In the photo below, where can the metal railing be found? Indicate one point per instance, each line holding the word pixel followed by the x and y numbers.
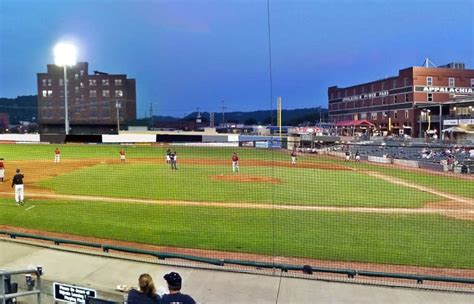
pixel 350 273
pixel 5 284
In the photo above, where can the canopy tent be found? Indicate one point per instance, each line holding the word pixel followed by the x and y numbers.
pixel 356 123
pixel 457 130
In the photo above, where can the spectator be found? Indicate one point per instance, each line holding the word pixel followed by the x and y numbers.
pixel 175 296
pixel 146 294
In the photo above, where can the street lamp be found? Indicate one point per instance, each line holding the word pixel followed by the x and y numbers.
pixel 65 55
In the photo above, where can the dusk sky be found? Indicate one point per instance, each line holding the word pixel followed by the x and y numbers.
pixel 186 54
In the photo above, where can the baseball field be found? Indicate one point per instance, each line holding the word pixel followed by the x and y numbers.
pixel 322 209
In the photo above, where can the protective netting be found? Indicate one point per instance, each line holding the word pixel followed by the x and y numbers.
pixel 389 207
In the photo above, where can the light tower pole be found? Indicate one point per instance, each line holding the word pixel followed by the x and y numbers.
pixel 118 105
pixel 65 55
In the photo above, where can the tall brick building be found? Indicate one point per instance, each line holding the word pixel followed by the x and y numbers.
pixel 413 100
pixel 91 100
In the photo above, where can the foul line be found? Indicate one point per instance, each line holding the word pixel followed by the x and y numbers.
pixel 30 208
pixel 245 205
pixel 400 182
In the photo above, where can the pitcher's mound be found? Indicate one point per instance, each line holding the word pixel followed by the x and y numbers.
pixel 245 178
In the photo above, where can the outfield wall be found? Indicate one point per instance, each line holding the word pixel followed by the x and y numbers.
pixel 20 137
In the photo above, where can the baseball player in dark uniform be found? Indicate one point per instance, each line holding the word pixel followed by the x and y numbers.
pixel 17 182
pixel 173 160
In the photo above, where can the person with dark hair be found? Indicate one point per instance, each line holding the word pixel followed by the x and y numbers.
pixel 174 286
pixel 146 294
pixel 17 182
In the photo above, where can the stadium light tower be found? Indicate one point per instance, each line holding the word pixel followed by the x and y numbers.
pixel 65 55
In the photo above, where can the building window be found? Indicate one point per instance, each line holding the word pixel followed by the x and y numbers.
pixel 383 85
pixel 93 93
pixel 395 114
pixel 105 93
pixel 373 115
pixel 472 83
pixel 452 82
pixel 105 82
pixel 76 89
pixel 118 82
pixel 92 82
pixel 76 76
pixel 50 82
pixel 61 82
pixel 395 99
pixel 406 98
pixel 406 114
pixel 429 81
pixel 383 100
pixel 44 82
pixel 82 84
pixel 47 93
pixel 430 97
pixel 118 93
pixel 405 81
pixel 394 83
pixel 332 95
pixel 82 72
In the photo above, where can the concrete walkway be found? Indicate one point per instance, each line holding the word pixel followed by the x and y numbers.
pixel 206 286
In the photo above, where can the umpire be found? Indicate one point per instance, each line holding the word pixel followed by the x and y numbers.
pixel 17 182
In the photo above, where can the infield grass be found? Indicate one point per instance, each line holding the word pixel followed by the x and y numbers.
pixel 426 240
pixel 296 186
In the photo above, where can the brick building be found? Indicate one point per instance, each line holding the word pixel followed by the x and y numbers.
pixel 91 100
pixel 410 103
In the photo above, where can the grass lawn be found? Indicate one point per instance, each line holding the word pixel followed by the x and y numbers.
pixel 447 184
pixel 194 183
pixel 407 240
pixel 74 151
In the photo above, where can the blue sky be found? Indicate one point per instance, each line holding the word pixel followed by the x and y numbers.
pixel 186 54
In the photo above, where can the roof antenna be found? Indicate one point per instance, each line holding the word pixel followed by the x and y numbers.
pixel 428 62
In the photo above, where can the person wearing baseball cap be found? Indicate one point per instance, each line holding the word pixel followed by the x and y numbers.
pixel 175 296
pixel 17 182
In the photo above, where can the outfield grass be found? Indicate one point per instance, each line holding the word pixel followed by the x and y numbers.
pixel 107 151
pixel 449 184
pixel 194 183
pixel 393 239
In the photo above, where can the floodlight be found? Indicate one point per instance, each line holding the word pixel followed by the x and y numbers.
pixel 65 54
